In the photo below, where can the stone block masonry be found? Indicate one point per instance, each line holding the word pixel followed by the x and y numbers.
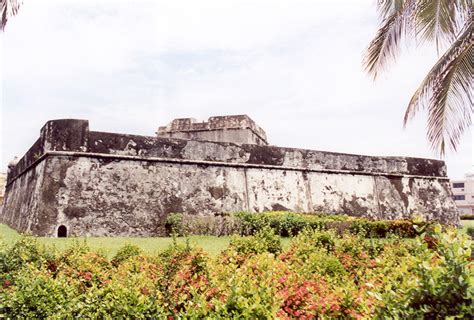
pixel 238 129
pixel 106 184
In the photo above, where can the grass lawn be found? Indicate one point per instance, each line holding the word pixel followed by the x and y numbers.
pixel 110 245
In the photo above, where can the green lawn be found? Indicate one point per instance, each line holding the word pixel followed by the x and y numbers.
pixel 110 245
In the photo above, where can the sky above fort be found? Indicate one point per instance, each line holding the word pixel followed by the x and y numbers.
pixel 293 66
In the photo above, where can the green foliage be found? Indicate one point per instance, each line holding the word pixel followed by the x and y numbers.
pixel 217 225
pixel 386 228
pixel 287 224
pixel 264 240
pixel 250 290
pixel 290 224
pixel 126 252
pixel 322 274
pixel 444 286
pixel 174 224
pixel 24 251
pixel 470 231
pixel 310 241
pixel 35 294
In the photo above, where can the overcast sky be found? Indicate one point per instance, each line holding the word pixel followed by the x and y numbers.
pixel 293 66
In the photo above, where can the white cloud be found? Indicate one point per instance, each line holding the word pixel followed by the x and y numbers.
pixel 294 66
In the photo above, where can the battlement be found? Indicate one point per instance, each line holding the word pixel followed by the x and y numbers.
pixel 239 129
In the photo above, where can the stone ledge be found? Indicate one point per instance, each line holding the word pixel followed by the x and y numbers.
pixel 215 163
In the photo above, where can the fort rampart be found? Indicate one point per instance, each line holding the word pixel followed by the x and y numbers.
pixel 99 183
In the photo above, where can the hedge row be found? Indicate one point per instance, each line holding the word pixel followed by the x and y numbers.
pixel 322 275
pixel 289 224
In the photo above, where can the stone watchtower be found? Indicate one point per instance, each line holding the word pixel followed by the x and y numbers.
pixel 239 129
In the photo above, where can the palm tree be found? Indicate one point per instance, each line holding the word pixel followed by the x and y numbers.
pixel 446 93
pixel 8 8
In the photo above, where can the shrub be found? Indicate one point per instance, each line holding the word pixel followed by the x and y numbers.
pixel 385 228
pixel 321 275
pixel 264 240
pixel 288 224
pixel 252 222
pixel 470 231
pixel 174 224
pixel 217 225
pixel 443 286
pixel 116 301
pixel 326 265
pixel 125 253
pixel 249 291
pixel 35 294
pixel 24 251
pixel 183 278
pixel 311 241
pixel 467 217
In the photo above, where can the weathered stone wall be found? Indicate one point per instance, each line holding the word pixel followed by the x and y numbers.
pixel 98 183
pixel 237 129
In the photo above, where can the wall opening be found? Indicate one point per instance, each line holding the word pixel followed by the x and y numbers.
pixel 62 232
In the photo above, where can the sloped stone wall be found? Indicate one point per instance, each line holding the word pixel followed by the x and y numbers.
pixel 110 184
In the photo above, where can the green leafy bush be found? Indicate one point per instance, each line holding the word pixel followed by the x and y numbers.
pixel 126 252
pixel 264 240
pixel 23 252
pixel 444 280
pixel 470 231
pixel 174 224
pixel 322 274
pixel 288 224
pixel 35 294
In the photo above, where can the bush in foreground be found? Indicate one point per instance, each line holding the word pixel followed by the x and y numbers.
pixel 322 274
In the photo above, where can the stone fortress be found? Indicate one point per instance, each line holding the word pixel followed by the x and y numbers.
pixel 74 181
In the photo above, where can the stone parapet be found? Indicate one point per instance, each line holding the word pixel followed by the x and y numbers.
pixel 74 135
pixel 55 135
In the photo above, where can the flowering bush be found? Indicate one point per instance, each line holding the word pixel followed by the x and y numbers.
pixel 321 274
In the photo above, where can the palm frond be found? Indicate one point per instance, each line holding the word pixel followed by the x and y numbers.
pixel 447 93
pixel 463 8
pixel 385 45
pixel 436 21
pixel 8 8
pixel 386 8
